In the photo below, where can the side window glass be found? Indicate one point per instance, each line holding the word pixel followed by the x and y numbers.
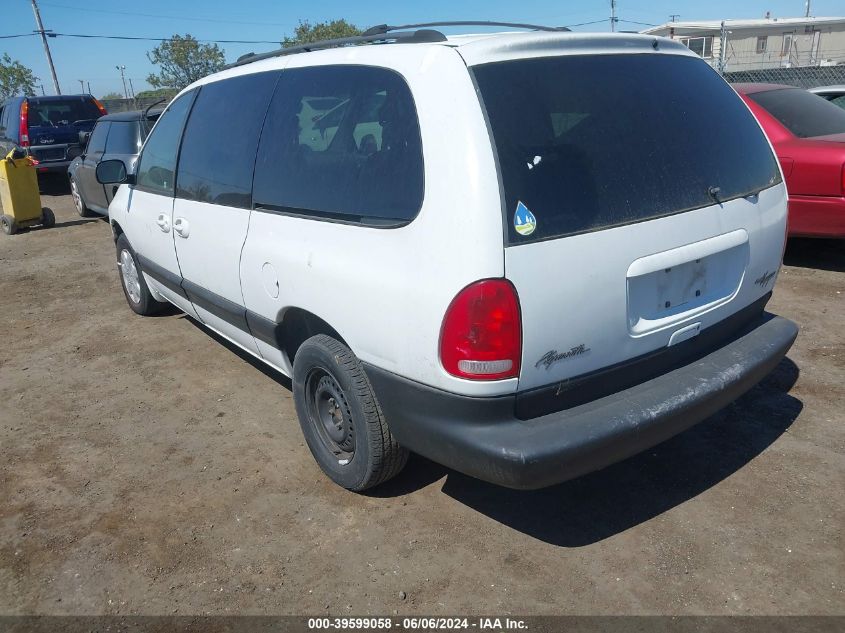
pixel 341 142
pixel 157 164
pixel 218 150
pixel 97 142
pixel 123 138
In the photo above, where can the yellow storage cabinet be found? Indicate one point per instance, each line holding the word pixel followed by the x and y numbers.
pixel 19 194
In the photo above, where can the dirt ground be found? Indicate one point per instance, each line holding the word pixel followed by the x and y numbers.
pixel 145 468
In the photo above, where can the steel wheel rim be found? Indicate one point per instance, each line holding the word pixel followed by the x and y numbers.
pixel 74 193
pixel 129 273
pixel 330 415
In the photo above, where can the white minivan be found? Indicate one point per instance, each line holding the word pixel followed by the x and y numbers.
pixel 523 255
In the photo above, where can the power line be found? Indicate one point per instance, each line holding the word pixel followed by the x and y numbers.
pixel 162 39
pixel 131 37
pixel 602 21
pixel 165 16
pixel 633 22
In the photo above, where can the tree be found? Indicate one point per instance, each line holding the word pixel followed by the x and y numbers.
pixel 307 32
pixel 183 60
pixel 15 78
pixel 113 95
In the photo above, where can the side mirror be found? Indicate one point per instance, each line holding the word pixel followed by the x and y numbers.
pixel 83 139
pixel 113 172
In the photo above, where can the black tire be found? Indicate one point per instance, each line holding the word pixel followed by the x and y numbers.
pixel 145 305
pixel 78 202
pixel 48 218
pixel 8 224
pixel 359 452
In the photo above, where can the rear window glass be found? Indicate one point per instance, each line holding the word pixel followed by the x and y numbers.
pixel 802 113
pixel 56 112
pixel 123 138
pixel 594 141
pixel 341 142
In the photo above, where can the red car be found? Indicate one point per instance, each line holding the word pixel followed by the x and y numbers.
pixel 808 134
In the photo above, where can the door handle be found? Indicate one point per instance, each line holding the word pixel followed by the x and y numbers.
pixel 163 222
pixel 181 226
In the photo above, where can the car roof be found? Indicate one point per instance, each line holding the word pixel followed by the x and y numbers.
pixel 752 88
pixel 131 115
pixel 58 97
pixel 477 48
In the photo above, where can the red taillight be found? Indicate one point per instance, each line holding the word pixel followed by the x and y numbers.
pixel 24 128
pixel 481 337
pixel 843 180
pixel 100 106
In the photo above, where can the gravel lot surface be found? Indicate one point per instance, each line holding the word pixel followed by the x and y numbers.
pixel 145 468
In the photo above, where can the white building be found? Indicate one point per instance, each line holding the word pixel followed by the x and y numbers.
pixel 737 45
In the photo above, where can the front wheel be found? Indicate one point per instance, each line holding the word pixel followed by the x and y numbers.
pixel 138 295
pixel 340 417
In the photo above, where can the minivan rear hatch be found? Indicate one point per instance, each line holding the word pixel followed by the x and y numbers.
pixel 641 202
pixel 57 121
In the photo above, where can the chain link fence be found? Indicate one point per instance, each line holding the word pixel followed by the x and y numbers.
pixel 125 105
pixel 803 77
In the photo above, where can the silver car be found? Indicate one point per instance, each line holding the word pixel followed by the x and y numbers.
pixel 115 136
pixel 835 94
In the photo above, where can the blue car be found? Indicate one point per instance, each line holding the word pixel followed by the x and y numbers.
pixel 48 128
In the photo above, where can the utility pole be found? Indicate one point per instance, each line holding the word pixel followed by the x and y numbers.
pixel 121 69
pixel 81 85
pixel 612 15
pixel 46 46
pixel 131 89
pixel 673 16
pixel 807 9
pixel 89 88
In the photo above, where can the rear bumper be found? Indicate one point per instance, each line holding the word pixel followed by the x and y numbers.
pixel 816 216
pixel 53 166
pixel 482 437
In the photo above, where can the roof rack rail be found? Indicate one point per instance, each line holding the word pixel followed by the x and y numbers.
pixel 384 28
pixel 151 106
pixel 409 37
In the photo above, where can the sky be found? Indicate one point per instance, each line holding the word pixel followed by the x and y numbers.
pixel 94 61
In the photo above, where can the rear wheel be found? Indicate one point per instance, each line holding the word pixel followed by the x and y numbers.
pixel 341 418
pixel 78 202
pixel 134 285
pixel 8 224
pixel 48 218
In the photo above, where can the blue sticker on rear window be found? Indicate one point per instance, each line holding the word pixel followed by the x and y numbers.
pixel 524 221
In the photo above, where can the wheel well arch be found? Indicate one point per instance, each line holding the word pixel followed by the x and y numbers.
pixel 297 326
pixel 116 229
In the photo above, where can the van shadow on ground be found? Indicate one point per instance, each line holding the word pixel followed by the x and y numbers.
pixel 597 506
pixel 594 507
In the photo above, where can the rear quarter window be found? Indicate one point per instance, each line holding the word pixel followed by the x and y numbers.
pixel 123 138
pixel 342 143
pixel 587 142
